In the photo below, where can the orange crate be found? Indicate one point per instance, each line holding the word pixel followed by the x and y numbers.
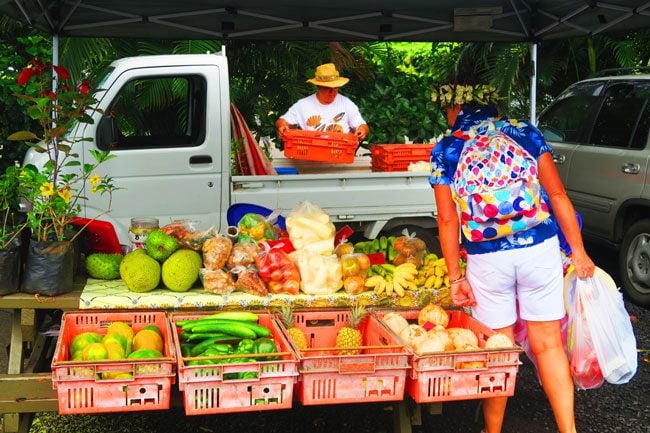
pixel 79 386
pixel 207 389
pixel 397 157
pixel 320 146
pixel 377 374
pixel 439 377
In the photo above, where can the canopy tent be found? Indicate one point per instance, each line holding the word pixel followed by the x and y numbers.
pixel 350 20
pixel 335 20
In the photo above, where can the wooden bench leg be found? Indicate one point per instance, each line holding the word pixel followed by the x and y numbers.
pixel 14 422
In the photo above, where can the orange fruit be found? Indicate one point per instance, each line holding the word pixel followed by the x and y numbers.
pixel 94 351
pixel 80 341
pixel 147 339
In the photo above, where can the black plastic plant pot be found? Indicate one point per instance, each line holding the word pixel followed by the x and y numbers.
pixel 49 269
pixel 10 267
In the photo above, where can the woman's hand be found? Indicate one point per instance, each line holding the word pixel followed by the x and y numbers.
pixel 462 294
pixel 583 264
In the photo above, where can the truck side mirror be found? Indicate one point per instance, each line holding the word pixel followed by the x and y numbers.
pixel 107 134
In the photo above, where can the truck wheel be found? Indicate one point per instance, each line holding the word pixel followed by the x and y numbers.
pixel 429 236
pixel 634 263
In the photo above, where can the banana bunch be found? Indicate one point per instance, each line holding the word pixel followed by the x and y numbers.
pixel 389 279
pixel 433 272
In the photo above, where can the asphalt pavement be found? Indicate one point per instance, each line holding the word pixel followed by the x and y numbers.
pixel 611 408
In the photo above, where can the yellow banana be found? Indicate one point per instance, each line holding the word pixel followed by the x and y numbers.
pixel 397 287
pixel 446 281
pixel 389 288
pixel 438 283
pixel 412 286
pixel 439 272
pixel 428 284
pixel 380 287
pixel 372 281
pixel 440 261
pixel 400 280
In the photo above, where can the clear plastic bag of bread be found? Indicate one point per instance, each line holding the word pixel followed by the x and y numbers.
pixel 409 249
pixel 217 281
pixel 249 281
pixel 187 233
pixel 243 253
pixel 216 251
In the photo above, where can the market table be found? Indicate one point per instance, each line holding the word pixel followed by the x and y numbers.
pixel 24 390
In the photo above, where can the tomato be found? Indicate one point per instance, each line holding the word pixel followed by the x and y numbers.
pixel 291 287
pixel 291 273
pixel 276 275
pixel 274 287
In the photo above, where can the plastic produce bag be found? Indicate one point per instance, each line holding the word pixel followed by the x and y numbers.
pixel 309 227
pixel 584 364
pixel 217 281
pixel 320 275
pixel 278 271
pixel 257 227
pixel 243 253
pixel 188 235
pixel 216 251
pixel 249 281
pixel 610 328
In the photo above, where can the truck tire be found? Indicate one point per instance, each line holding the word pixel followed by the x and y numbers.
pixel 634 263
pixel 429 236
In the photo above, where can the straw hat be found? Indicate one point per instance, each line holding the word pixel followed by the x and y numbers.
pixel 570 285
pixel 327 76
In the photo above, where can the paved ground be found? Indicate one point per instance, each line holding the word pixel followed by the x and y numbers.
pixel 622 408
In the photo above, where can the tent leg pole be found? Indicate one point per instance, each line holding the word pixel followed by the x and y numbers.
pixel 533 83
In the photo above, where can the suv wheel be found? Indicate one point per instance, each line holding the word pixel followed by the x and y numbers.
pixel 634 263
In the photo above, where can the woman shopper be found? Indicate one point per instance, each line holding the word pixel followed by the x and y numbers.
pixel 486 177
pixel 325 110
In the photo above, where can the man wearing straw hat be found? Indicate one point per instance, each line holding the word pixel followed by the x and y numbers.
pixel 325 110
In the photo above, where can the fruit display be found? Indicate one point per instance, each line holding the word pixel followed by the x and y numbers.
pixel 119 342
pixel 389 278
pixel 160 245
pixel 349 338
pixel 103 266
pixel 255 226
pixel 296 335
pixel 278 271
pixel 140 272
pixel 181 270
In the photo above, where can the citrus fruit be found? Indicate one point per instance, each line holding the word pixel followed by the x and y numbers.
pixel 145 353
pixel 94 351
pixel 153 328
pixel 82 340
pixel 121 328
pixel 147 339
pixel 117 339
pixel 115 350
pixel 114 375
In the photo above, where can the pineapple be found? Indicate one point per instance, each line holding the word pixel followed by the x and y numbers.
pixel 349 335
pixel 297 336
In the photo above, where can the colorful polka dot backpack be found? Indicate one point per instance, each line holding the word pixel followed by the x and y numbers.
pixel 496 187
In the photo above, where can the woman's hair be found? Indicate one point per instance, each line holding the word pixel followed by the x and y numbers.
pixel 473 113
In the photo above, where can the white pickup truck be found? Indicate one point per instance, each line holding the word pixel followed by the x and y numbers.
pixel 174 158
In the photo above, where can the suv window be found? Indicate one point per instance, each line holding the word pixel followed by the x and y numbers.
pixel 565 120
pixel 155 112
pixel 623 118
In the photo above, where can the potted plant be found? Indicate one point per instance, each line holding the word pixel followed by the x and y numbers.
pixel 11 225
pixel 453 96
pixel 54 192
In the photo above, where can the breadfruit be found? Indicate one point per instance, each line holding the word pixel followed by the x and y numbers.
pixel 181 270
pixel 140 272
pixel 103 266
pixel 160 245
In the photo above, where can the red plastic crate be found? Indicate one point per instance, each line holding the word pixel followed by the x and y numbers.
pixel 78 384
pixel 377 374
pixel 205 391
pixel 440 377
pixel 320 146
pixel 397 157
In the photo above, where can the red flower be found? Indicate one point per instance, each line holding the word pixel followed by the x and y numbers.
pixel 84 87
pixel 65 87
pixel 25 76
pixel 61 72
pixel 48 93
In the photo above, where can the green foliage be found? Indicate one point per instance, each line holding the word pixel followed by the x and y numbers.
pixel 10 224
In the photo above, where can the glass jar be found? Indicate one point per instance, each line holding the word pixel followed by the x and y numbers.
pixel 139 230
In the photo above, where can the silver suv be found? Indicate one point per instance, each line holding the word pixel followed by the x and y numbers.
pixel 598 129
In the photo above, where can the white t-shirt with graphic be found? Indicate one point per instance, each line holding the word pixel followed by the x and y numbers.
pixel 342 115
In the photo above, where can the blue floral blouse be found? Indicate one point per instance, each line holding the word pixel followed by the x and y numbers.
pixel 444 159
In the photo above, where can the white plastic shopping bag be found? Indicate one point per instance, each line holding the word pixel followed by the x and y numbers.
pixel 610 329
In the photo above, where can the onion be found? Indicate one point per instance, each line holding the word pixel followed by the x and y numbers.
pixel 498 341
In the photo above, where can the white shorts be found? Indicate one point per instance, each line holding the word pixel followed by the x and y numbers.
pixel 532 275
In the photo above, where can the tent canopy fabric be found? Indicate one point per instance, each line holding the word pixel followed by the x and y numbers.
pixel 333 20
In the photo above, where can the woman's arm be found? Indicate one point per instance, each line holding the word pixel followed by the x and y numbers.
pixel 448 230
pixel 565 215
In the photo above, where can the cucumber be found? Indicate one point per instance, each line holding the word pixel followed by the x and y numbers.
pixel 227 327
pixel 241 316
pixel 195 337
pixel 260 331
pixel 203 346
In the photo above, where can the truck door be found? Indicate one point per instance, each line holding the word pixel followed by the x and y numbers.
pixel 612 167
pixel 163 125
